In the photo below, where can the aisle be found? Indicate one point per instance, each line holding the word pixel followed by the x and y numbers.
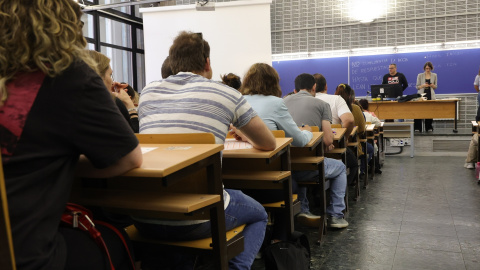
pixel 421 213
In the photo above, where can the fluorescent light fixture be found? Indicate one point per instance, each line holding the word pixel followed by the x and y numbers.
pixel 366 11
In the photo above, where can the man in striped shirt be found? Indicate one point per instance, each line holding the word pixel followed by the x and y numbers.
pixel 190 102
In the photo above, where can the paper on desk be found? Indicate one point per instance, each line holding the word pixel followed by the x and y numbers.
pixel 147 149
pixel 231 144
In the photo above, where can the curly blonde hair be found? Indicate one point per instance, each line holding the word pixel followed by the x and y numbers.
pixel 39 35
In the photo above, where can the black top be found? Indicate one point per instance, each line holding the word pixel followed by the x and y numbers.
pixel 427 81
pixel 398 78
pixel 72 114
pixel 133 122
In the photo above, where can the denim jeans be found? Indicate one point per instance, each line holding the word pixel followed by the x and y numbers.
pixel 242 209
pixel 370 155
pixel 334 171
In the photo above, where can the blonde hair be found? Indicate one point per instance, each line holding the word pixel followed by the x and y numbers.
pixel 101 63
pixel 39 35
pixel 261 79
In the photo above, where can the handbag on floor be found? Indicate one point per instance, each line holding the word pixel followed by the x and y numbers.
pixel 288 255
pixel 79 217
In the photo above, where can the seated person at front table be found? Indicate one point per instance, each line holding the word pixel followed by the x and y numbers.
pixel 232 80
pixel 369 116
pixel 306 109
pixel 261 89
pixel 122 99
pixel 53 109
pixel 190 102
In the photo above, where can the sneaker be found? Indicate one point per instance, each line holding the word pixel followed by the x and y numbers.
pixel 309 219
pixel 469 166
pixel 338 223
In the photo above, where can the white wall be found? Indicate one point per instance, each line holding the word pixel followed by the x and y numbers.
pixel 238 33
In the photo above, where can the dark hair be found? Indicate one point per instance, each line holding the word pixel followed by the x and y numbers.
pixel 364 103
pixel 261 79
pixel 428 64
pixel 231 80
pixel 304 81
pixel 393 64
pixel 345 91
pixel 188 53
pixel 166 69
pixel 320 81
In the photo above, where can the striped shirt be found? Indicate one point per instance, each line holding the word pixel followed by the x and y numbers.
pixel 190 103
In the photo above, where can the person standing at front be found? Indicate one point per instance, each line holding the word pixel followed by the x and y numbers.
pixel 426 84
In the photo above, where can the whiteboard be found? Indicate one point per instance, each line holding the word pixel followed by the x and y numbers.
pixel 238 34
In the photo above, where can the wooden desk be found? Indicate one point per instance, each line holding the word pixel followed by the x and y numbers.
pixel 169 169
pixel 427 109
pixel 239 161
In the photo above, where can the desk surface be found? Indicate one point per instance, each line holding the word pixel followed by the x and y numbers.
pixel 164 159
pixel 317 136
pixel 255 153
pixel 440 108
pixel 370 127
pixel 338 133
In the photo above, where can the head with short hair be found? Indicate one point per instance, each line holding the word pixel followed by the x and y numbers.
pixel 39 35
pixel 261 79
pixel 189 53
pixel 321 82
pixel 345 91
pixel 428 64
pixel 304 81
pixel 231 80
pixel 392 69
pixel 364 103
pixel 166 69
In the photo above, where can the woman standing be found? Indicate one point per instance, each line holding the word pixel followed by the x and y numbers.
pixel 426 83
pixel 476 84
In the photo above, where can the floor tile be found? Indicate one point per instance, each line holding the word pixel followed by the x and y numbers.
pixel 431 242
pixel 413 258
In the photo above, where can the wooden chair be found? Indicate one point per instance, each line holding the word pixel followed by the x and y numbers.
pixel 7 257
pixel 194 193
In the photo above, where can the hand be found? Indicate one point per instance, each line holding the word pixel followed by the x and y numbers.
pixel 329 148
pixel 116 86
pixel 125 98
pixel 237 134
pixel 306 127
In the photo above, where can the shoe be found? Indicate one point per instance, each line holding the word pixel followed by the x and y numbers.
pixel 361 176
pixel 430 130
pixel 469 166
pixel 309 219
pixel 338 223
pixel 378 171
pixel 258 256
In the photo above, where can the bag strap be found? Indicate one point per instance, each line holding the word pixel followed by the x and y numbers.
pixel 122 238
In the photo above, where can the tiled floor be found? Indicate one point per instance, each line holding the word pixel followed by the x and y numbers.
pixel 421 213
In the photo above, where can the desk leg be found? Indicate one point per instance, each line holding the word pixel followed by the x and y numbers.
pixel 287 194
pixel 455 120
pixel 217 214
pixel 412 141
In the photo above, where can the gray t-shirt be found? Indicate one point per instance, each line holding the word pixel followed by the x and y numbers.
pixel 308 110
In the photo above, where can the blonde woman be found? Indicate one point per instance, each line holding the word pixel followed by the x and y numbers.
pixel 55 118
pixel 426 84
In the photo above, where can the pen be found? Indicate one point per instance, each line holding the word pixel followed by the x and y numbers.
pixel 303 125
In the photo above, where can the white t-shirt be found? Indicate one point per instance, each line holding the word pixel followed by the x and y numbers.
pixel 337 105
pixel 477 80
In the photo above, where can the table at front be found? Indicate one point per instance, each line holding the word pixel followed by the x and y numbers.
pixel 426 109
pixel 166 168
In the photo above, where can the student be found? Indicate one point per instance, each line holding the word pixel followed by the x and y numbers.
pixel 232 80
pixel 56 120
pixel 261 88
pixel 119 92
pixel 190 102
pixel 166 70
pixel 305 109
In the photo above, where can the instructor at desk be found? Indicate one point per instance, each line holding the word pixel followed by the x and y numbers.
pixel 394 77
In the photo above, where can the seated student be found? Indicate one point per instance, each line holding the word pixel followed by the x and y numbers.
pixel 231 80
pixel 190 102
pixel 472 154
pixel 134 96
pixel 306 109
pixel 369 116
pixel 261 89
pixel 69 126
pixel 166 70
pixel 348 94
pixel 122 99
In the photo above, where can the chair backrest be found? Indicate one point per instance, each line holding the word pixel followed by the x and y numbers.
pixel 315 128
pixel 336 125
pixel 7 257
pixel 368 123
pixel 278 133
pixel 193 138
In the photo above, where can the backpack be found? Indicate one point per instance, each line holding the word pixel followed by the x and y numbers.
pixel 288 255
